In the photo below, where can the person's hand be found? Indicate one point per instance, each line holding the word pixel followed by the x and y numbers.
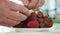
pixel 33 3
pixel 9 15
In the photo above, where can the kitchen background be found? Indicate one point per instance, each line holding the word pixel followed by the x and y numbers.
pixel 52 7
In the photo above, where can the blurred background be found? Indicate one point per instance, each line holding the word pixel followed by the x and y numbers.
pixel 52 7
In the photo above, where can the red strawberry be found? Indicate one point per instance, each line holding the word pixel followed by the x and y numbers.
pixel 32 21
pixel 46 21
pixel 19 25
pixel 41 20
pixel 33 24
pixel 45 17
pixel 50 24
pixel 33 16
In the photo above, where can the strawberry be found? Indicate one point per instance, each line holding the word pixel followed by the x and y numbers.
pixel 50 24
pixel 33 16
pixel 19 25
pixel 32 21
pixel 46 20
pixel 33 24
pixel 41 20
pixel 45 16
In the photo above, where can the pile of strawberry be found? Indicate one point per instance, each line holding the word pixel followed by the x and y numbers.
pixel 36 21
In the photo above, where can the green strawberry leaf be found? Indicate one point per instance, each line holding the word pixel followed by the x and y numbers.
pixel 46 21
pixel 39 14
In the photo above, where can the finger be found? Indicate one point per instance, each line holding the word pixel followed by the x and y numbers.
pixel 18 7
pixel 14 15
pixel 40 3
pixel 7 22
pixel 32 3
pixel 25 2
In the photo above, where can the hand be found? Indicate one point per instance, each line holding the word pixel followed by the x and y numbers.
pixel 33 3
pixel 8 13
